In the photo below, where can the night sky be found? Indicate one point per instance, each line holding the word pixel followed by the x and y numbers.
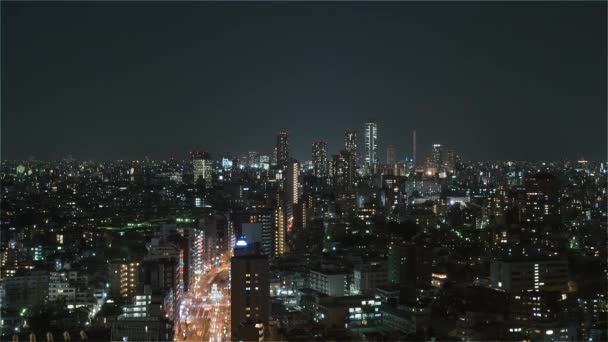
pixel 109 80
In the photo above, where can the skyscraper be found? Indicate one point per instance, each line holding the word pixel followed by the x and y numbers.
pixel 391 155
pixel 292 189
pixel 249 293
pixel 319 158
pixel 202 166
pixel 343 169
pixel 280 226
pixel 438 157
pixel 282 149
pixel 370 157
pixel 350 141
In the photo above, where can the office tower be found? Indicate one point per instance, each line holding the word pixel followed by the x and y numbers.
pixel 438 158
pixel 282 149
pixel 196 247
pixel 280 227
pixel 319 159
pixel 292 189
pixel 273 160
pixel 343 169
pixel 265 217
pixel 542 200
pixel 202 166
pixel 414 160
pixel 249 293
pixel 391 155
pixel 371 146
pixel 350 141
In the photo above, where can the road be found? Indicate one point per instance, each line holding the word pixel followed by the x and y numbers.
pixel 206 316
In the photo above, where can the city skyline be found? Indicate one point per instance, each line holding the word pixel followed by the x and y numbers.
pixel 535 91
pixel 303 171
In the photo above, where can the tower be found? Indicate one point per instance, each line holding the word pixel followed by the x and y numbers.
pixel 280 227
pixel 343 169
pixel 319 158
pixel 371 146
pixel 202 166
pixel 282 149
pixel 292 189
pixel 350 141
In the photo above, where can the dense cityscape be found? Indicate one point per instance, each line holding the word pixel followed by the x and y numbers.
pixel 353 244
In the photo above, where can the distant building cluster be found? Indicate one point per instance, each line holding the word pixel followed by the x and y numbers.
pixel 259 246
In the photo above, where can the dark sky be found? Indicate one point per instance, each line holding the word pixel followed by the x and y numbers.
pixel 515 80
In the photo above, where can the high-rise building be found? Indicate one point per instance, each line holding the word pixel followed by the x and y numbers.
pixel 370 157
pixel 249 293
pixel 123 280
pixel 265 217
pixel 280 227
pixel 350 141
pixel 343 169
pixel 391 155
pixel 319 158
pixel 282 149
pixel 292 189
pixel 202 166
pixel 437 157
pixel 542 199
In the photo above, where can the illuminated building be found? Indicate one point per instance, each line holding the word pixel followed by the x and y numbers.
pixel 265 162
pixel 343 170
pixel 226 163
pixel 265 217
pixel 280 229
pixel 437 157
pixel 123 280
pixel 350 143
pixel 329 282
pixel 202 166
pixel 319 159
pixel 516 275
pixel 253 159
pixel 542 200
pixel 367 277
pixel 282 149
pixel 249 293
pixel 292 190
pixel 370 156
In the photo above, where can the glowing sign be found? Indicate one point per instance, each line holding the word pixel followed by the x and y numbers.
pixel 241 243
